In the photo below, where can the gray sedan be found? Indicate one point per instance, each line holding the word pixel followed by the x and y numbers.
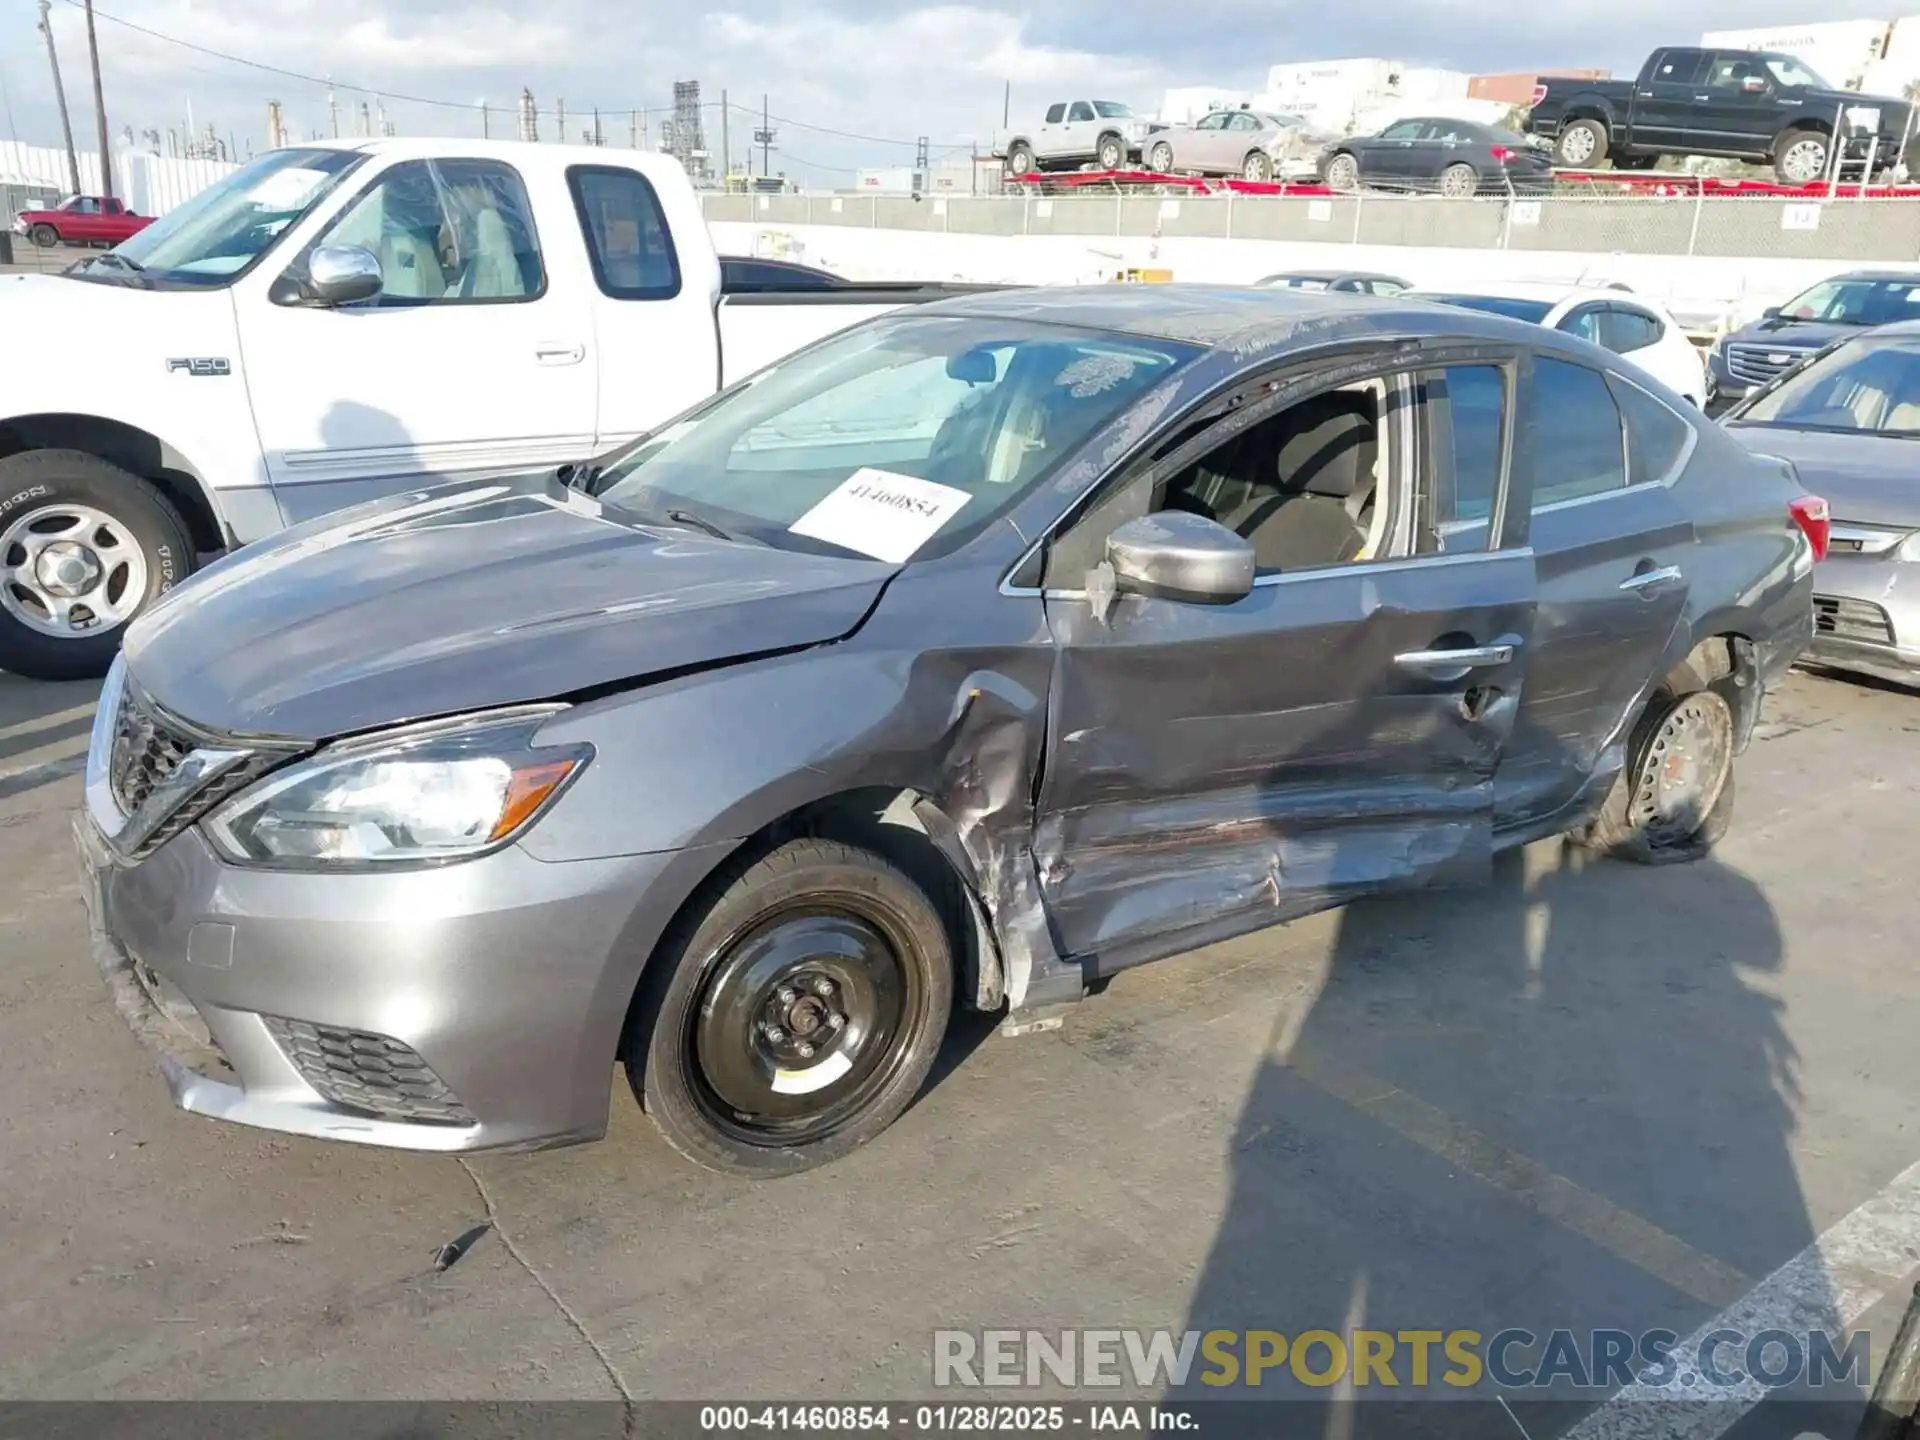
pixel 1253 144
pixel 1850 421
pixel 966 657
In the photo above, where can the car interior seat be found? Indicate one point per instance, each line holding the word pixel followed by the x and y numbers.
pixel 493 269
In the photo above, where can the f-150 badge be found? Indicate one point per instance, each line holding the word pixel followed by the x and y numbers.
pixel 201 365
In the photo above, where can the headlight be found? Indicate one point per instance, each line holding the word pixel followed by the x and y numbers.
pixel 429 793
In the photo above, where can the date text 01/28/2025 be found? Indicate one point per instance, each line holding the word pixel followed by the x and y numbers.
pixel 942 1419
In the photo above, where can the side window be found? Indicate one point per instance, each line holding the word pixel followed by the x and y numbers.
pixel 87 206
pixel 1575 442
pixel 1625 331
pixel 1680 67
pixel 446 232
pixel 1404 130
pixel 1081 111
pixel 1657 439
pixel 1466 425
pixel 1584 322
pixel 1056 113
pixel 1216 121
pixel 1243 121
pixel 628 239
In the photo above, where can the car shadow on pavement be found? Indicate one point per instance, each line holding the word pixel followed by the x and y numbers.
pixel 44 729
pixel 1559 1102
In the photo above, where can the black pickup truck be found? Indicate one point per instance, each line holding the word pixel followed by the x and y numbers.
pixel 1753 105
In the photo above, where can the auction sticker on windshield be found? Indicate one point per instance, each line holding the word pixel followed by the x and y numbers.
pixel 286 189
pixel 881 514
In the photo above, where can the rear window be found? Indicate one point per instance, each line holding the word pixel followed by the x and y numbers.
pixel 1532 311
pixel 628 239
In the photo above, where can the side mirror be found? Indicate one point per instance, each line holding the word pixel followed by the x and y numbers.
pixel 1772 312
pixel 1173 555
pixel 342 275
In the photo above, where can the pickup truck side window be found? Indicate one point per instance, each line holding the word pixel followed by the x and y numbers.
pixel 447 232
pixel 1056 113
pixel 627 235
pixel 1728 72
pixel 1678 67
pixel 1577 445
pixel 1081 111
pixel 1658 441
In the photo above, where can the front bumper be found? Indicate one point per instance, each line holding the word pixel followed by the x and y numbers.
pixel 469 1007
pixel 1867 616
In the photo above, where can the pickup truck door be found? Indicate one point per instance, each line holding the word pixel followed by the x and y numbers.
pixel 1663 106
pixel 1728 114
pixel 477 357
pixel 1075 139
pixel 81 221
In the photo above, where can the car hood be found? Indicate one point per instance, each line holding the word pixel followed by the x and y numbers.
pixel 1793 334
pixel 466 597
pixel 1868 479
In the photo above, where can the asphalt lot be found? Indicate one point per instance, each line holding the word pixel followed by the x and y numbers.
pixel 1590 1095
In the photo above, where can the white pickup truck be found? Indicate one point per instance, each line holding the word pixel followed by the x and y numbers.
pixel 338 321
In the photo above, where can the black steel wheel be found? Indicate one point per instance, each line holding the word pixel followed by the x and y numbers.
pixel 797 1015
pixel 1673 801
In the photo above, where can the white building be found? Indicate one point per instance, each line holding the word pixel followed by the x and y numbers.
pixel 1346 96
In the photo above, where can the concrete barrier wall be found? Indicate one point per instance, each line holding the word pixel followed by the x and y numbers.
pixel 1713 262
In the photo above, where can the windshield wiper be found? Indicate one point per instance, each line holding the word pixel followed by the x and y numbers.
pixel 132 268
pixel 687 517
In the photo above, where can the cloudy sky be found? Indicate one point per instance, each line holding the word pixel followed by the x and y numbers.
pixel 869 69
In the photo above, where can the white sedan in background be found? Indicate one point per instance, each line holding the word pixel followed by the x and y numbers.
pixel 1614 318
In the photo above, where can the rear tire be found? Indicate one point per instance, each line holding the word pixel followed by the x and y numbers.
pixel 1459 182
pixel 795 1016
pixel 1020 159
pixel 45 236
pixel 1580 145
pixel 113 527
pixel 1800 157
pixel 1673 802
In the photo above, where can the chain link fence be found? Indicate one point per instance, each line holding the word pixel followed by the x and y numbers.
pixel 1843 229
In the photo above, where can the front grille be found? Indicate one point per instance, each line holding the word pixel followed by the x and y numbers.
pixel 1757 364
pixel 373 1074
pixel 1851 620
pixel 146 752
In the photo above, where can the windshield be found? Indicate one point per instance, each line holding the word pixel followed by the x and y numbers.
pixel 903 437
pixel 1865 385
pixel 1857 302
pixel 1532 311
pixel 1789 71
pixel 1112 110
pixel 224 229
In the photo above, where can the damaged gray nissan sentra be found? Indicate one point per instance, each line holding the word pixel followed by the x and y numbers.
pixel 965 657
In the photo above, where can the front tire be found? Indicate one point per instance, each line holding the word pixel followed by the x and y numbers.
pixel 1343 173
pixel 1674 800
pixel 797 1015
pixel 1112 153
pixel 1258 168
pixel 1800 157
pixel 1580 145
pixel 84 547
pixel 1160 158
pixel 44 235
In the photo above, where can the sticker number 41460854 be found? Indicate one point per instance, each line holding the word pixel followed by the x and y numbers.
pixel 879 513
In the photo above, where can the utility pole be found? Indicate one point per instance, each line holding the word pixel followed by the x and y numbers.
pixel 60 94
pixel 1006 106
pixel 726 143
pixel 333 112
pixel 765 137
pixel 529 117
pixel 561 126
pixel 633 129
pixel 366 119
pixel 99 108
pixel 486 127
pixel 276 129
pixel 596 127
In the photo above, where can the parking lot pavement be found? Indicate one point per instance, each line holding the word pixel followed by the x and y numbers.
pixel 29 257
pixel 1589 1095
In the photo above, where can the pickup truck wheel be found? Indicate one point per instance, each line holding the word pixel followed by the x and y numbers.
pixel 84 547
pixel 1674 800
pixel 44 235
pixel 1343 173
pixel 1800 157
pixel 797 1015
pixel 1112 153
pixel 1580 144
pixel 1020 159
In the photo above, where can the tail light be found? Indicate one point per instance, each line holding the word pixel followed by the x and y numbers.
pixel 1503 154
pixel 1539 94
pixel 1811 515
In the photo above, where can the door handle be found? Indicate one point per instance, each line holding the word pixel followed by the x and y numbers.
pixel 560 352
pixel 1703 97
pixel 1646 582
pixel 1440 663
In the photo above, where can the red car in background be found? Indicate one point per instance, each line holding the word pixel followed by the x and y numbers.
pixel 81 220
